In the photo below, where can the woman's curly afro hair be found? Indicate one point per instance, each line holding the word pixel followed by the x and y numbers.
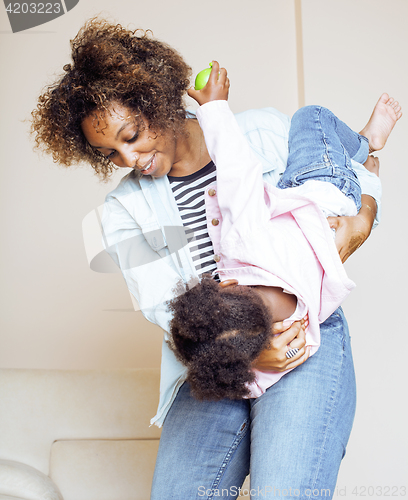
pixel 110 64
pixel 217 333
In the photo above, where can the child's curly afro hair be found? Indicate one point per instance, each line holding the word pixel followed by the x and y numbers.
pixel 217 333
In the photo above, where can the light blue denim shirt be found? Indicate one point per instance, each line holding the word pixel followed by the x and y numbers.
pixel 139 221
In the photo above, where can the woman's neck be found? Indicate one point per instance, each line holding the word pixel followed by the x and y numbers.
pixel 191 151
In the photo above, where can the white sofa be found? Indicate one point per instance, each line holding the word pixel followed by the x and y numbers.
pixel 77 435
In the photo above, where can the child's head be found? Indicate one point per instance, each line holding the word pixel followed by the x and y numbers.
pixel 217 333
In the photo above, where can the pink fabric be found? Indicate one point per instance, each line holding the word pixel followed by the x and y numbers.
pixel 267 236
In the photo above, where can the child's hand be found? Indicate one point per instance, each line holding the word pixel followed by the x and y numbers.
pixel 216 89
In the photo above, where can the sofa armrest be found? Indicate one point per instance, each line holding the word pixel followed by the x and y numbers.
pixel 22 482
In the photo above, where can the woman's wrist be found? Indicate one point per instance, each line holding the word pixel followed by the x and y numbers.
pixel 367 214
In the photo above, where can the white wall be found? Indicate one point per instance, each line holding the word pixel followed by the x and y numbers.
pixel 354 51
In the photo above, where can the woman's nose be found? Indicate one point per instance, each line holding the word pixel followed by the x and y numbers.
pixel 129 158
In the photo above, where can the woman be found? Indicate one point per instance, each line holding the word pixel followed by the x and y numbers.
pixel 120 104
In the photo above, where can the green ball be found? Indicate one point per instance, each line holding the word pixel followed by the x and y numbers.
pixel 202 78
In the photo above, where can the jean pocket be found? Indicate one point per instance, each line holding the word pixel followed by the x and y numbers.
pixel 316 172
pixel 298 176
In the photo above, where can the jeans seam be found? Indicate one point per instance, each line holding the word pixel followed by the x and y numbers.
pixel 328 160
pixel 237 440
pixel 332 408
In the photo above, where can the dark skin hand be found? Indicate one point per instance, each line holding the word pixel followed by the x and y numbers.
pixel 216 89
pixel 352 232
pixel 274 358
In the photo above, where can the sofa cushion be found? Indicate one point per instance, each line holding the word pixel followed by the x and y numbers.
pixel 39 407
pixel 22 482
pixel 104 469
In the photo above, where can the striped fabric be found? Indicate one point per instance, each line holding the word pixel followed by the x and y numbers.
pixel 189 195
pixel 292 352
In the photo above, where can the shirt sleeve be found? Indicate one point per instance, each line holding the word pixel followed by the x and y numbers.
pixel 240 187
pixel 142 257
pixel 371 185
pixel 267 131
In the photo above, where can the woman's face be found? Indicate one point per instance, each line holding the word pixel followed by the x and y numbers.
pixel 129 142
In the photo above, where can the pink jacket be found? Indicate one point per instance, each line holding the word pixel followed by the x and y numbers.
pixel 266 236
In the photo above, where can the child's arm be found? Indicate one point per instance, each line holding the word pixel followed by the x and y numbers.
pixel 240 188
pixel 243 173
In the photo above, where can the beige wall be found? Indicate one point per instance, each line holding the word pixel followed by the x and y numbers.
pixel 353 51
pixel 57 313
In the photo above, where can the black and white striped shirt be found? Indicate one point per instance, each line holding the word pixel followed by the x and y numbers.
pixel 189 195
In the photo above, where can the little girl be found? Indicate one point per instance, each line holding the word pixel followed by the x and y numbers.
pixel 276 243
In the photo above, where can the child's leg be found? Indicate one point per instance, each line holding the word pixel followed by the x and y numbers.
pixel 321 148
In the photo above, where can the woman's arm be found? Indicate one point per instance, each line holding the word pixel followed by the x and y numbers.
pixel 351 232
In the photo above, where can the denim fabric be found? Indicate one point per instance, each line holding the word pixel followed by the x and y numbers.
pixel 291 439
pixel 321 147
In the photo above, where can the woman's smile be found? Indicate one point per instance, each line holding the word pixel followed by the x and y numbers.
pixel 149 167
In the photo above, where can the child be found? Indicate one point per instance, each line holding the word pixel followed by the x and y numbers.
pixel 276 243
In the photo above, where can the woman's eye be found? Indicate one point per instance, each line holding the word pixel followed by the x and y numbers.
pixel 133 139
pixel 111 155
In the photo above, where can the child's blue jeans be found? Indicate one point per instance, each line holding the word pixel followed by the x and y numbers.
pixel 321 148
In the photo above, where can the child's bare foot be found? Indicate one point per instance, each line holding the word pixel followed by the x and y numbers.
pixel 373 165
pixel 386 113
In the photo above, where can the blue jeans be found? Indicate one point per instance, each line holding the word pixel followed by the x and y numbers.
pixel 291 439
pixel 320 148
